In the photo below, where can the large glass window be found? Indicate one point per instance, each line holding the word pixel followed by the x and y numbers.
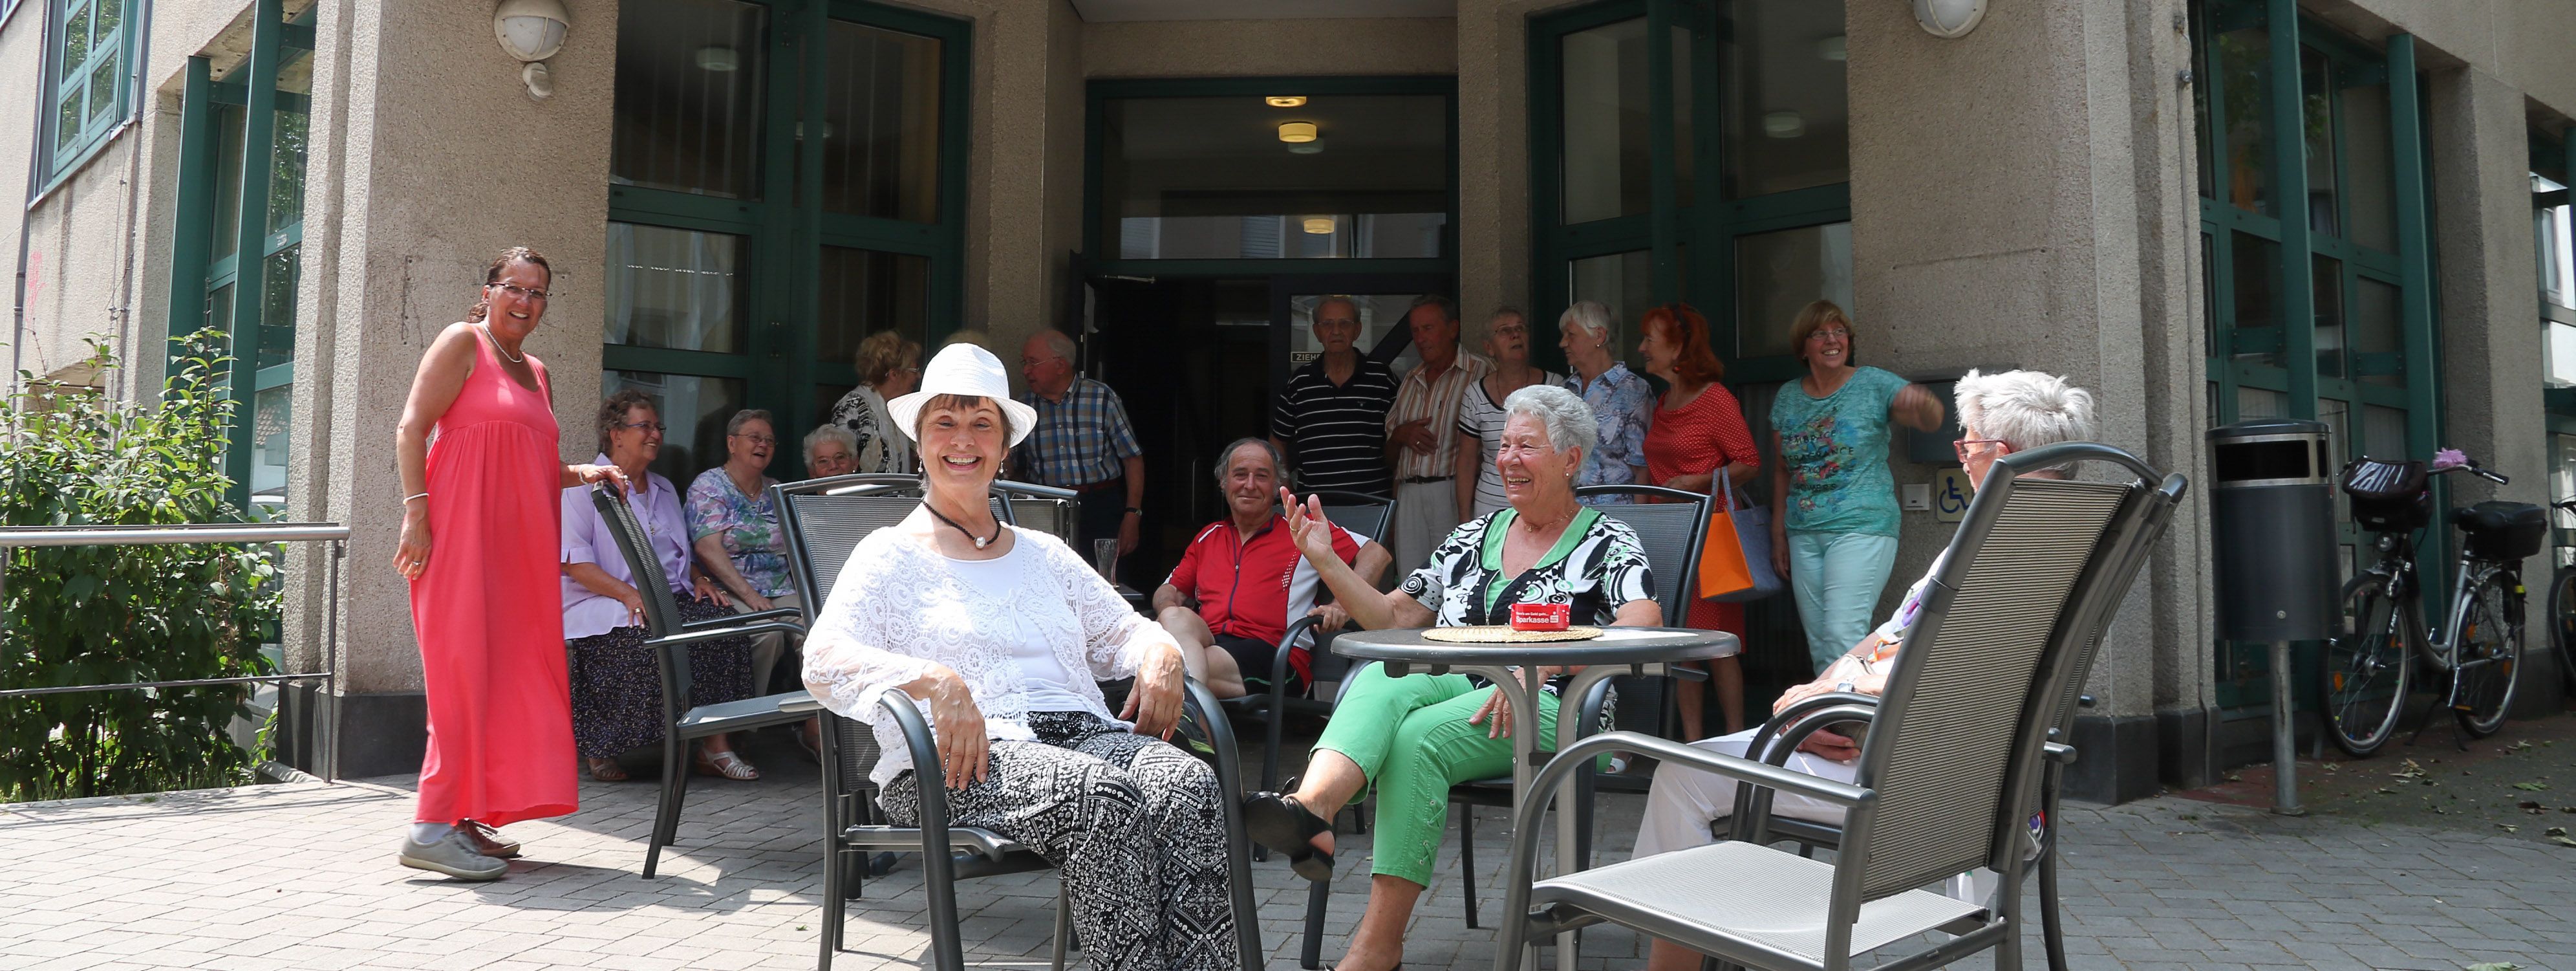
pixel 773 201
pixel 1759 110
pixel 1333 176
pixel 88 89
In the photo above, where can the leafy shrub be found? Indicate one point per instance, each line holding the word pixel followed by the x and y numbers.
pixel 105 614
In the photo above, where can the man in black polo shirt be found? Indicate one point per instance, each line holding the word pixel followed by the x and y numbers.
pixel 1331 418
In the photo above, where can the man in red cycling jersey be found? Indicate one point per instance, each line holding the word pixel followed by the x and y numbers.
pixel 1246 580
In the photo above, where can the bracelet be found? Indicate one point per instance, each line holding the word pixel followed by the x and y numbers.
pixel 1133 511
pixel 419 495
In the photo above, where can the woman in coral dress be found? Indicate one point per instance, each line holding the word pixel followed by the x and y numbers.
pixel 1698 429
pixel 491 650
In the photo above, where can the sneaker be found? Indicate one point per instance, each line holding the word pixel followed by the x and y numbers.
pixel 488 841
pixel 452 855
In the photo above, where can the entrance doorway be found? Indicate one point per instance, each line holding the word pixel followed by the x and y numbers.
pixel 1199 360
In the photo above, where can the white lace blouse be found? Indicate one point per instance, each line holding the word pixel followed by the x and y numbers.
pixel 899 609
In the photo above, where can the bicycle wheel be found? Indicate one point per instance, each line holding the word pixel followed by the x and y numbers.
pixel 2562 622
pixel 2365 669
pixel 2490 658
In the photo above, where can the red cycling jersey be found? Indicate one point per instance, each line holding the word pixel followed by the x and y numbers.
pixel 1253 588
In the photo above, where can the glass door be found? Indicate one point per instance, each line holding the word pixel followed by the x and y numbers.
pixel 783 184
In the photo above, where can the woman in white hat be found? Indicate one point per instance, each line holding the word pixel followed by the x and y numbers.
pixel 998 634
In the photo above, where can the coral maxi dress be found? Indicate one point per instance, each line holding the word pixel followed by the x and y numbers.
pixel 490 627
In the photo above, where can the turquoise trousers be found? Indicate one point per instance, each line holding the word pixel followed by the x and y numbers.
pixel 1837 578
pixel 1410 736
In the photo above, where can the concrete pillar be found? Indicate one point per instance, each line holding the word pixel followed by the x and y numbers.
pixel 2492 354
pixel 1998 222
pixel 429 157
pixel 1493 155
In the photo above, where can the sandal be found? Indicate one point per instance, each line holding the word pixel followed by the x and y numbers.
pixel 1280 823
pixel 811 745
pixel 725 764
pixel 606 770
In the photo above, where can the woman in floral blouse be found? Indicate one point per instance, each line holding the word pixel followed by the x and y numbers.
pixel 1620 400
pixel 1415 736
pixel 734 529
pixel 889 365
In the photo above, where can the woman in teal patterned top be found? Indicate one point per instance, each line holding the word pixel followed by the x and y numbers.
pixel 1833 500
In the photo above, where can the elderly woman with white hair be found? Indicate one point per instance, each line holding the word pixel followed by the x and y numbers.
pixel 2014 411
pixel 1620 399
pixel 1413 737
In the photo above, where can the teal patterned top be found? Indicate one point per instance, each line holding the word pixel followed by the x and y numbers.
pixel 1835 449
pixel 748 525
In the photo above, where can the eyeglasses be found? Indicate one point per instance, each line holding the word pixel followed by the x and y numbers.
pixel 1829 332
pixel 1961 446
pixel 643 425
pixel 530 293
pixel 758 439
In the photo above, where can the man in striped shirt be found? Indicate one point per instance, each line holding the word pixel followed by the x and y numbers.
pixel 1331 418
pixel 1422 432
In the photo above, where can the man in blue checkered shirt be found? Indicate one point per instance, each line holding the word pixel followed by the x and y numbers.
pixel 1082 441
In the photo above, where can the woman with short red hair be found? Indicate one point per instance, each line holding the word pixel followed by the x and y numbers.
pixel 1698 429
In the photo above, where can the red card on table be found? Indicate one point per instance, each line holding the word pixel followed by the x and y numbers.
pixel 1541 616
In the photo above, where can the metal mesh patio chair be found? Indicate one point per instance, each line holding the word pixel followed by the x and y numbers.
pixel 2093 605
pixel 1362 513
pixel 824 520
pixel 671 640
pixel 1671 531
pixel 1949 768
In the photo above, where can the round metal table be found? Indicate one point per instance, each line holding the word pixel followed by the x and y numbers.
pixel 1645 651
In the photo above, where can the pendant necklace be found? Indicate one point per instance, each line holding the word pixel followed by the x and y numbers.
pixel 980 541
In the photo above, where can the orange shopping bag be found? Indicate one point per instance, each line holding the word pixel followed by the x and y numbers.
pixel 1735 556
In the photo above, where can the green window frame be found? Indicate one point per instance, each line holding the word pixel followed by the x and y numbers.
pixel 242 149
pixel 1692 248
pixel 785 231
pixel 2264 126
pixel 88 80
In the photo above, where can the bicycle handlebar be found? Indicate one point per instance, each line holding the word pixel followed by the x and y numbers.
pixel 2473 468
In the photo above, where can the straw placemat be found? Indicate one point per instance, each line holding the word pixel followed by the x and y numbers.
pixel 1498 634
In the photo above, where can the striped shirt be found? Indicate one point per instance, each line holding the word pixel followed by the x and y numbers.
pixel 1083 440
pixel 1422 397
pixel 1481 416
pixel 1336 433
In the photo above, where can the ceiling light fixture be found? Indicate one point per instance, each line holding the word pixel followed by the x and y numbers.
pixel 1295 132
pixel 719 59
pixel 1783 124
pixel 1833 48
pixel 1286 100
pixel 1319 225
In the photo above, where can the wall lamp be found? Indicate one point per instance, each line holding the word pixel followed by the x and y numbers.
pixel 531 31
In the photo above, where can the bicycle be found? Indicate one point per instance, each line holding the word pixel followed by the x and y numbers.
pixel 2562 613
pixel 2367 666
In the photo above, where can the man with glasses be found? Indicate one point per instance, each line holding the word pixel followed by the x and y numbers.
pixel 1330 419
pixel 1082 442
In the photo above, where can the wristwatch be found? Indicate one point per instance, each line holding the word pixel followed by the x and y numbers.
pixel 1133 511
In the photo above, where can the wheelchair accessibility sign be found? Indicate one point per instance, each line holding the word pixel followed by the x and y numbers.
pixel 1950 495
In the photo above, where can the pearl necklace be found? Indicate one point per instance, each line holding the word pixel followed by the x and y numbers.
pixel 496 345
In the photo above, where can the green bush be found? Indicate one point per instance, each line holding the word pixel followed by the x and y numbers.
pixel 105 614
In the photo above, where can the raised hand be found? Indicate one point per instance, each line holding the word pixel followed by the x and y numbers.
pixel 1307 526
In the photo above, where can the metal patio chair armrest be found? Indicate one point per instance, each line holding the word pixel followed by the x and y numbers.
pixel 1276 718
pixel 928 780
pixel 1526 829
pixel 773 613
pixel 1229 786
pixel 805 705
pixel 699 635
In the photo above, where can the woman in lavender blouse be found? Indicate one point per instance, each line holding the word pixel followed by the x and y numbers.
pixel 616 682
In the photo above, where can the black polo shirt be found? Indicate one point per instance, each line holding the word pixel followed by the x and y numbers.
pixel 1336 434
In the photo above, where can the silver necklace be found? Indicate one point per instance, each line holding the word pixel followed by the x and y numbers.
pixel 496 344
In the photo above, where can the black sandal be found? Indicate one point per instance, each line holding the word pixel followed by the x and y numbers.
pixel 1280 823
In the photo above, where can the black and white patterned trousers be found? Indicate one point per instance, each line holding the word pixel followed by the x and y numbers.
pixel 1133 825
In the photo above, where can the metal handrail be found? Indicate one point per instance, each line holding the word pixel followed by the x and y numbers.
pixel 190 534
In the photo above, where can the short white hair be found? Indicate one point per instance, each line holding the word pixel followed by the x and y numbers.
pixel 1056 342
pixel 831 432
pixel 1588 315
pixel 2025 409
pixel 1569 422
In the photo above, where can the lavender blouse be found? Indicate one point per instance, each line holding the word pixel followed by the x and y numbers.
pixel 587 538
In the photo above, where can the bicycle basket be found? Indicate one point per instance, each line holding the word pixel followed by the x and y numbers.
pixel 2388 496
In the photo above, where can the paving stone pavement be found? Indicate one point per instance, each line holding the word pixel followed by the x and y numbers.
pixel 302 876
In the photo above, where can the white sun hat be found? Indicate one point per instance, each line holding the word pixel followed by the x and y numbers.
pixel 963 369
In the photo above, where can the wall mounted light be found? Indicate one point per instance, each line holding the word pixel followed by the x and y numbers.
pixel 1784 124
pixel 531 31
pixel 1319 225
pixel 1295 132
pixel 717 59
pixel 1286 100
pixel 1949 19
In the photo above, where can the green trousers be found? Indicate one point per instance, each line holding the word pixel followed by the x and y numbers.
pixel 1410 736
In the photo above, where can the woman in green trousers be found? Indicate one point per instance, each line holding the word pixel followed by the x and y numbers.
pixel 1413 737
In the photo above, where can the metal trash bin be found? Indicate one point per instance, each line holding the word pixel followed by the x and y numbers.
pixel 2272 530
pixel 2272 539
